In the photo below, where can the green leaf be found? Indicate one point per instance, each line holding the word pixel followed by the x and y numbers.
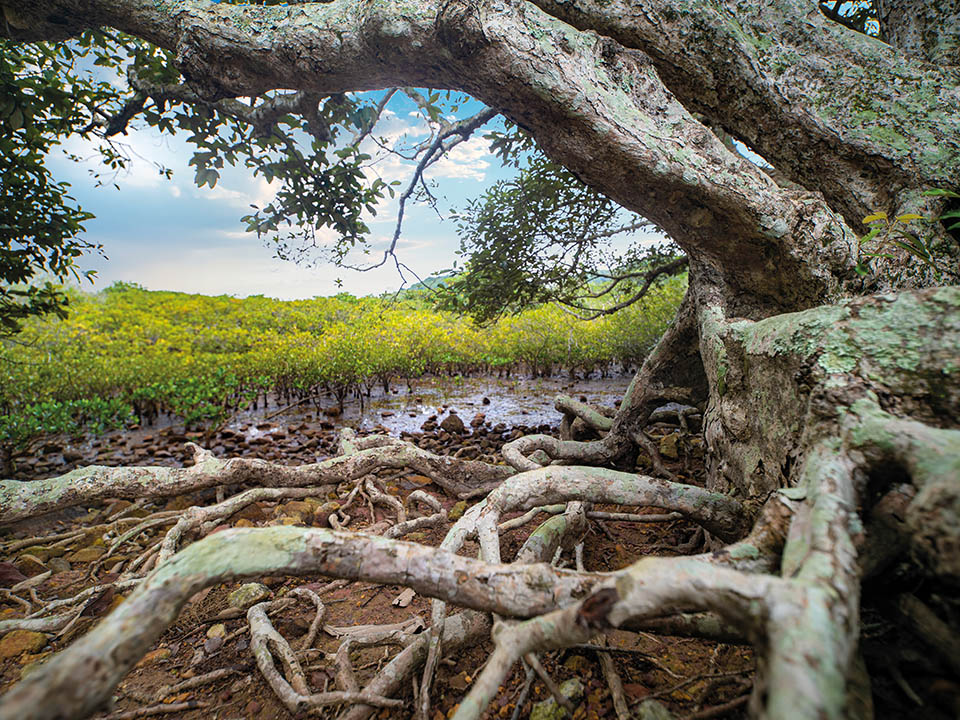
pixel 15 121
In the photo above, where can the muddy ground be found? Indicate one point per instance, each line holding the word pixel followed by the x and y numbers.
pixel 689 678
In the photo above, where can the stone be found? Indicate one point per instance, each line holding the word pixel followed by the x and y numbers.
pixel 154 656
pixel 30 565
pixel 549 709
pixel 652 710
pixel 247 595
pixel 59 565
pixel 457 511
pixel 299 509
pixel 9 575
pixel 218 630
pixel 16 643
pixel 668 446
pixel 87 554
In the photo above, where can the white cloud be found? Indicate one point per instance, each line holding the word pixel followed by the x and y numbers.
pixel 469 160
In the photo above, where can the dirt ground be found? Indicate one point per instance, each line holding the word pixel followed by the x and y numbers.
pixel 690 678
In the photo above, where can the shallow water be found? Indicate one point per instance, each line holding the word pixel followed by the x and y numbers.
pixel 511 401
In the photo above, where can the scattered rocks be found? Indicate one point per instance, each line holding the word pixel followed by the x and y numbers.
pixel 16 643
pixel 247 595
pixel 652 710
pixel 668 446
pixel 154 656
pixel 453 424
pixel 10 575
pixel 59 565
pixel 549 709
pixel 87 554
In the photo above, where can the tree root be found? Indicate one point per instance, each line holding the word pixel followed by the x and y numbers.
pixel 295 693
pixel 82 676
pixel 83 486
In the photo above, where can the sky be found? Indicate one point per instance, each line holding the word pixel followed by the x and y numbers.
pixel 168 234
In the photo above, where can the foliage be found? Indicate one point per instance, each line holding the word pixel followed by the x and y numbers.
pixel 905 232
pixel 201 358
pixel 543 236
pixel 20 429
pixel 43 98
pixel 860 15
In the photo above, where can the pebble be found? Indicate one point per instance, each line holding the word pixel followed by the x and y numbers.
pixel 16 643
pixel 247 595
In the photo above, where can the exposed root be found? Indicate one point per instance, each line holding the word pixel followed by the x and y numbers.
pixel 82 676
pixel 94 483
pixel 294 692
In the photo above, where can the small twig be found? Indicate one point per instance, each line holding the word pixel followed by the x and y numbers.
pixel 195 682
pixel 690 681
pixel 160 709
pixel 718 710
pixel 527 684
pixel 615 684
pixel 562 700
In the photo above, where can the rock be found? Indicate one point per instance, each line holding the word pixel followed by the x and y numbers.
pixel 244 523
pixel 668 446
pixel 253 512
pixel 9 575
pixel 486 401
pixel 211 645
pixel 154 656
pixel 72 456
pixel 478 420
pixel 16 643
pixel 30 565
pixel 652 710
pixel 457 511
pixel 577 663
pixel 87 554
pixel 302 511
pixel 549 709
pixel 59 565
pixel 247 595
pixel 218 630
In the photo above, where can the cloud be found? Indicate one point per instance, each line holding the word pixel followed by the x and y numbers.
pixel 469 161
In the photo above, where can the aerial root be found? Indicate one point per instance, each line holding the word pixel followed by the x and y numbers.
pixel 94 483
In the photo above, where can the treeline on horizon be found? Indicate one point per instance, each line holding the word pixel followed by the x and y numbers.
pixel 126 354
